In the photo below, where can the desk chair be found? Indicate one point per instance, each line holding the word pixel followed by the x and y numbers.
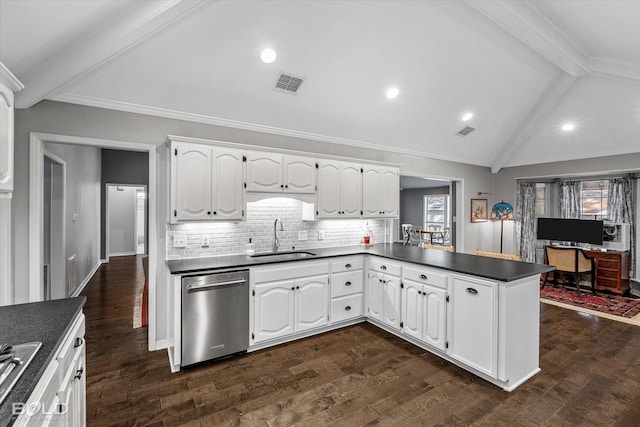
pixel 572 261
pixel 439 247
pixel 512 257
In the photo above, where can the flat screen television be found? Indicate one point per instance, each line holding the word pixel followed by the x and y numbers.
pixel 570 230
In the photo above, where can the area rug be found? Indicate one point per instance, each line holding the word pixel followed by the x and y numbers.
pixel 603 303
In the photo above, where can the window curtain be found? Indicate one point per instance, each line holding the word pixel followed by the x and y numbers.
pixel 620 208
pixel 526 220
pixel 570 199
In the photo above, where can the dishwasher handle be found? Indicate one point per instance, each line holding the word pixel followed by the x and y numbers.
pixel 213 285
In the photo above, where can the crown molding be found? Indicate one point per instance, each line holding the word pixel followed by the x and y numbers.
pixel 614 70
pixel 115 37
pixel 8 79
pixel 235 124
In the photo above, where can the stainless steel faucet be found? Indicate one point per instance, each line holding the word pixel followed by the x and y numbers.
pixel 276 242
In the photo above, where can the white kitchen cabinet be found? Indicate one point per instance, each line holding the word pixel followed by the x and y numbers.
pixel 339 189
pixel 473 323
pixel 277 173
pixel 59 397
pixel 290 298
pixel 311 302
pixel 380 192
pixel 274 309
pixel 384 291
pixel 424 313
pixel 8 85
pixel 347 286
pixel 206 183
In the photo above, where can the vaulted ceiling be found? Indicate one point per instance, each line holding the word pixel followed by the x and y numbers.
pixel 523 68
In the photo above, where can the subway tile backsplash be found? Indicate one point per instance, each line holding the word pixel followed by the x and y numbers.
pixel 230 238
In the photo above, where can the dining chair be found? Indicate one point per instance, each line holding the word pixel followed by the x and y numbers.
pixel 571 261
pixel 512 257
pixel 449 248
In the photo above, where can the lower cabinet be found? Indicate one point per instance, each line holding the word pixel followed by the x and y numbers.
pixel 383 292
pixel 473 333
pixel 424 310
pixel 59 398
pixel 296 303
pixel 346 288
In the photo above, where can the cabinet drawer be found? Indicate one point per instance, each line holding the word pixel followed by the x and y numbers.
pixel 606 273
pixel 608 263
pixel 347 264
pixel 607 256
pixel 383 265
pixel 425 275
pixel 345 308
pixel 346 283
pixel 607 283
pixel 67 351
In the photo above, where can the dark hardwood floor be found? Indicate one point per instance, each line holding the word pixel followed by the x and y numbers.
pixel 355 376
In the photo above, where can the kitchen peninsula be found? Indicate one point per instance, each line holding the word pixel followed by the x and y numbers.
pixel 479 313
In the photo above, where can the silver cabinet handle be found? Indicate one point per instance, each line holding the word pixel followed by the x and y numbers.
pixel 347 308
pixel 347 266
pixel 78 342
pixel 383 267
pixel 213 285
pixel 347 284
pixel 423 277
pixel 472 291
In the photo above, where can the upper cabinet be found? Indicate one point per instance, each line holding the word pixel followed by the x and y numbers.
pixel 380 192
pixel 8 85
pixel 206 183
pixel 339 189
pixel 277 173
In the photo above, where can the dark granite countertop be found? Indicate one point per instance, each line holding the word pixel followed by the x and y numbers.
pixel 489 268
pixel 47 322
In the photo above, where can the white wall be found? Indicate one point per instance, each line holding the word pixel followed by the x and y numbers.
pixel 82 205
pixel 67 119
pixel 122 217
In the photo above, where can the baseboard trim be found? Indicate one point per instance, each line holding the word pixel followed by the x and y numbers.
pixel 86 280
pixel 161 344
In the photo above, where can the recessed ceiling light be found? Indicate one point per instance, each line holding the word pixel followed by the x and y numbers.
pixel 268 55
pixel 568 127
pixel 467 116
pixel 392 92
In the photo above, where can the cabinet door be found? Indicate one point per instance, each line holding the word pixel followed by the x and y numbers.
pixel 412 306
pixel 264 172
pixel 6 139
pixel 299 175
pixel 227 184
pixel 351 194
pixel 329 189
pixel 274 315
pixel 391 304
pixel 434 318
pixel 312 302
pixel 80 387
pixel 371 206
pixel 191 172
pixel 375 296
pixel 473 323
pixel 390 192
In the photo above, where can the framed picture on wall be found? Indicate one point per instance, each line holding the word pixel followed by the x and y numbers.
pixel 479 210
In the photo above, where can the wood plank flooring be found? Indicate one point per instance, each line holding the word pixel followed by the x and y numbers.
pixel 354 376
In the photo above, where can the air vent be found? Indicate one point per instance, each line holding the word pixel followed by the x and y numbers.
pixel 288 83
pixel 465 131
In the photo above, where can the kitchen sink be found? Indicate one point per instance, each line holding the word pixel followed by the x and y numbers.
pixel 284 255
pixel 12 368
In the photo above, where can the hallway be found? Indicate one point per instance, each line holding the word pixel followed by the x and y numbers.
pixel 352 376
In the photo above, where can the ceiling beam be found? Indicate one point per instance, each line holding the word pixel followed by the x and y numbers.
pixel 549 99
pixel 530 27
pixel 110 40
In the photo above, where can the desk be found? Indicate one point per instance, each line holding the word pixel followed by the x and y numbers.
pixel 612 270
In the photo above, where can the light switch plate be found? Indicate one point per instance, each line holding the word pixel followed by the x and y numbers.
pixel 180 240
pixel 303 235
pixel 205 241
pixel 320 234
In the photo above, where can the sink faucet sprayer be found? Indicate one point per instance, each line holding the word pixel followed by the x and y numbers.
pixel 276 242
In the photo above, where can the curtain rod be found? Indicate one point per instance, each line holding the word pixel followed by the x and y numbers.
pixel 597 177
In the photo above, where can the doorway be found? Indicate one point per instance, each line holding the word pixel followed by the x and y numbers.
pixel 126 220
pixel 53 225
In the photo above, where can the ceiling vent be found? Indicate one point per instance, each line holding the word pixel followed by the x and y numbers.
pixel 288 83
pixel 465 131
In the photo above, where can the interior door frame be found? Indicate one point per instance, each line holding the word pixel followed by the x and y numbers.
pixel 135 222
pixel 60 255
pixel 36 164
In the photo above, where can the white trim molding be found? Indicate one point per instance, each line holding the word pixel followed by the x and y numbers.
pixel 36 164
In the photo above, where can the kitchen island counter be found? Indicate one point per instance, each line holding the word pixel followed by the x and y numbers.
pixel 47 322
pixel 489 268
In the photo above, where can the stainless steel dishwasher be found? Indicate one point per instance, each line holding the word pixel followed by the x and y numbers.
pixel 215 316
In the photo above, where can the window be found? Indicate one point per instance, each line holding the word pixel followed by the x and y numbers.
pixel 541 191
pixel 595 196
pixel 436 211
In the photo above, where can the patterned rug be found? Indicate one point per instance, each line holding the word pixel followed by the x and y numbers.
pixel 604 303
